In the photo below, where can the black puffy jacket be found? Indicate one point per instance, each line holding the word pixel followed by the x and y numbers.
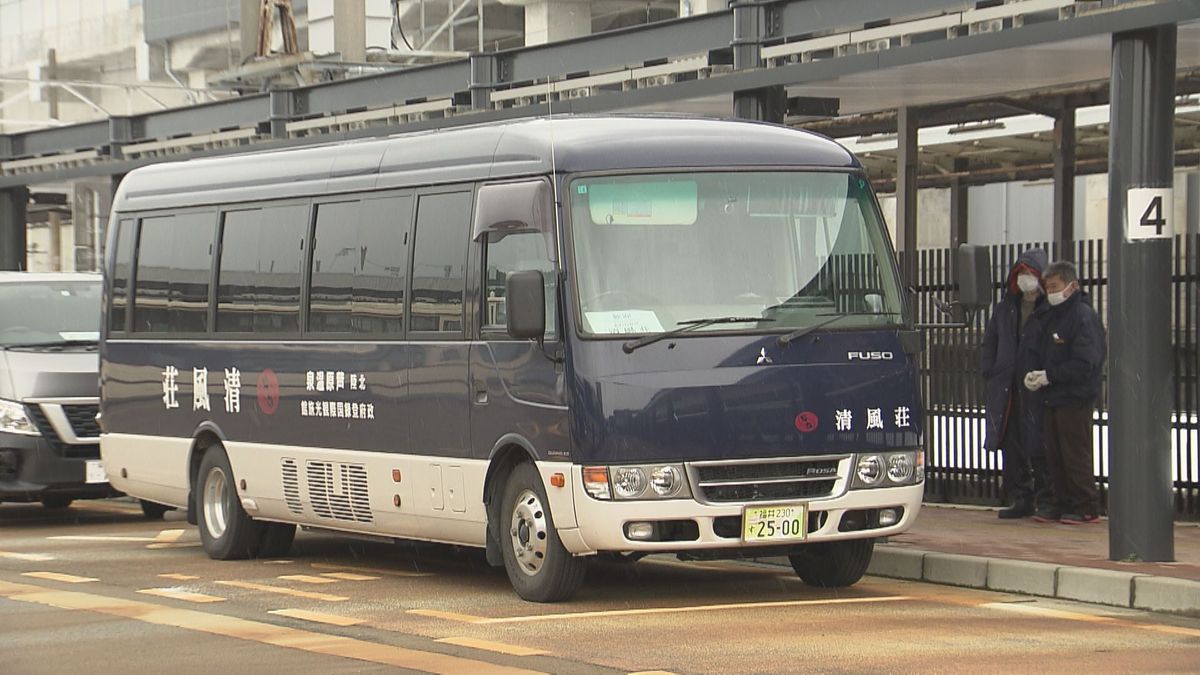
pixel 1072 350
pixel 1005 357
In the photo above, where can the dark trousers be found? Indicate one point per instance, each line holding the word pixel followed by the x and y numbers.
pixel 1067 431
pixel 1023 477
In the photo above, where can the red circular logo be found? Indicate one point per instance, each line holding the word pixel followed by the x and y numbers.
pixel 268 391
pixel 807 421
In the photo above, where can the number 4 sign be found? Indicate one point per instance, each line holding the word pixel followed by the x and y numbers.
pixel 1148 213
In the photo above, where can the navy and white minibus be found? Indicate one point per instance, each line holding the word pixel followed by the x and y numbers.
pixel 547 338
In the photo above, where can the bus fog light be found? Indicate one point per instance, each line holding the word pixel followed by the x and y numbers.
pixel 666 481
pixel 628 482
pixel 900 468
pixel 870 470
pixel 640 531
pixel 595 481
pixel 888 517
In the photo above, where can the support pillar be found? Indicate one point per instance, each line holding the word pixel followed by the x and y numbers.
pixel 483 80
pixel 556 20
pixel 1193 203
pixel 1141 155
pixel 959 204
pixel 13 202
pixel 1064 182
pixel 768 104
pixel 906 193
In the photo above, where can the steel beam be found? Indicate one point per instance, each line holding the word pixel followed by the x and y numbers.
pixel 1064 181
pixel 12 228
pixel 1141 152
pixel 959 205
pixel 907 126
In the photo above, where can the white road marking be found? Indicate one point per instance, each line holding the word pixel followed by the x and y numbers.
pixel 27 557
pixel 55 576
pixel 488 645
pixel 180 594
pixel 318 617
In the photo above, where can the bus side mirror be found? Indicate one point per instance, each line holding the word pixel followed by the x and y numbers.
pixel 525 304
pixel 973 274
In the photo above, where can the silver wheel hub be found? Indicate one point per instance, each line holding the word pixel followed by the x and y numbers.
pixel 528 532
pixel 215 499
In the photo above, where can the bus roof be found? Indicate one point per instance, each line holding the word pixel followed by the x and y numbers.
pixel 493 151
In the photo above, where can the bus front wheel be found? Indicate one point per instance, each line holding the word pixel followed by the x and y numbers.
pixel 833 564
pixel 539 567
pixel 226 532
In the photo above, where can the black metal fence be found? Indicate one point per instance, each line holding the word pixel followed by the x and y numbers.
pixel 958 468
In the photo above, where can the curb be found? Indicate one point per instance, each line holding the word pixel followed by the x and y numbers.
pixel 1082 584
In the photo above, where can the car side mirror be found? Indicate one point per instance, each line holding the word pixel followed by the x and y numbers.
pixel 973 274
pixel 525 304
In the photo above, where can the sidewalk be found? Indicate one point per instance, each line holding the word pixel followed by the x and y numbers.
pixel 970 546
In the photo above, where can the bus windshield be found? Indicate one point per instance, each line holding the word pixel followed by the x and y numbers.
pixel 772 251
pixel 49 312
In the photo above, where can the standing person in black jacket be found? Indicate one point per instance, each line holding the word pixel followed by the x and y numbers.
pixel 1071 365
pixel 1014 414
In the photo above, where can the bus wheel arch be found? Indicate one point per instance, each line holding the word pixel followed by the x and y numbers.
pixel 510 452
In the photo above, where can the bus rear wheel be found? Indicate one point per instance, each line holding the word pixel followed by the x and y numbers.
pixel 226 532
pixel 539 567
pixel 833 564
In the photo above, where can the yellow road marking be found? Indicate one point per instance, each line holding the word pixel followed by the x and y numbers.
pixel 28 557
pixel 179 594
pixel 55 576
pixel 498 647
pixel 349 576
pixel 307 579
pixel 370 570
pixel 168 536
pixel 185 544
pixel 467 618
pixel 319 617
pixel 179 577
pixel 653 672
pixel 1034 610
pixel 82 537
pixel 254 631
pixel 282 591
pixel 278 562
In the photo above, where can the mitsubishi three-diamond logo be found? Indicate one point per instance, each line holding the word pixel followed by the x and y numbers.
pixel 763 359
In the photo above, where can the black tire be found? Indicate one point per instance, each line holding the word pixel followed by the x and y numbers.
pixel 833 564
pixel 226 532
pixel 154 510
pixel 545 571
pixel 276 540
pixel 56 502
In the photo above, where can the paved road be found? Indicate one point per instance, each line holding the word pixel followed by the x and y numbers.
pixel 97 588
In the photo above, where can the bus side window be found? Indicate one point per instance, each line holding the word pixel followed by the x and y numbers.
pixel 439 263
pixel 173 266
pixel 514 253
pixel 258 283
pixel 122 255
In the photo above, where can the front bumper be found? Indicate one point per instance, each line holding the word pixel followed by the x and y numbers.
pixel 601 524
pixel 32 466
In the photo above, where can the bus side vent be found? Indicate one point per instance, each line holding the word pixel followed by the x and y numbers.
pixel 339 491
pixel 291 486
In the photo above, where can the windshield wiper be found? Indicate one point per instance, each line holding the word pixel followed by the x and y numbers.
pixel 685 326
pixel 784 340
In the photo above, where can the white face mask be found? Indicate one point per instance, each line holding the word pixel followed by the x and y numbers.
pixel 1058 298
pixel 1027 283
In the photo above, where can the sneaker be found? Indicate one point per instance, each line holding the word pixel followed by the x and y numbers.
pixel 1020 509
pixel 1078 519
pixel 1045 515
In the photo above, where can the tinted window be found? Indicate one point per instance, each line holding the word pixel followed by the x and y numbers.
pixel 155 250
pixel 515 253
pixel 191 267
pixel 261 256
pixel 121 254
pixel 439 262
pixel 359 264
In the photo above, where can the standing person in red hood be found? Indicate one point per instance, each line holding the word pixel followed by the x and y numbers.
pixel 1014 413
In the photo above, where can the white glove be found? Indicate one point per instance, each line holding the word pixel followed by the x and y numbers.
pixel 1036 379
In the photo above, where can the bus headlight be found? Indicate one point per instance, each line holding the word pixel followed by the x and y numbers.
pixel 643 481
pixel 889 469
pixel 15 420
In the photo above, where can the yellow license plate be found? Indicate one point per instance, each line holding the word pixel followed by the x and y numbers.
pixel 782 522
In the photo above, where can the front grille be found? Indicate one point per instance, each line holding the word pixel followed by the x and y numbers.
pixel 42 423
pixel 83 419
pixel 766 481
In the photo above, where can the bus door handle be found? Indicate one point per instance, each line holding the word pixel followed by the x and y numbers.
pixel 481 392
